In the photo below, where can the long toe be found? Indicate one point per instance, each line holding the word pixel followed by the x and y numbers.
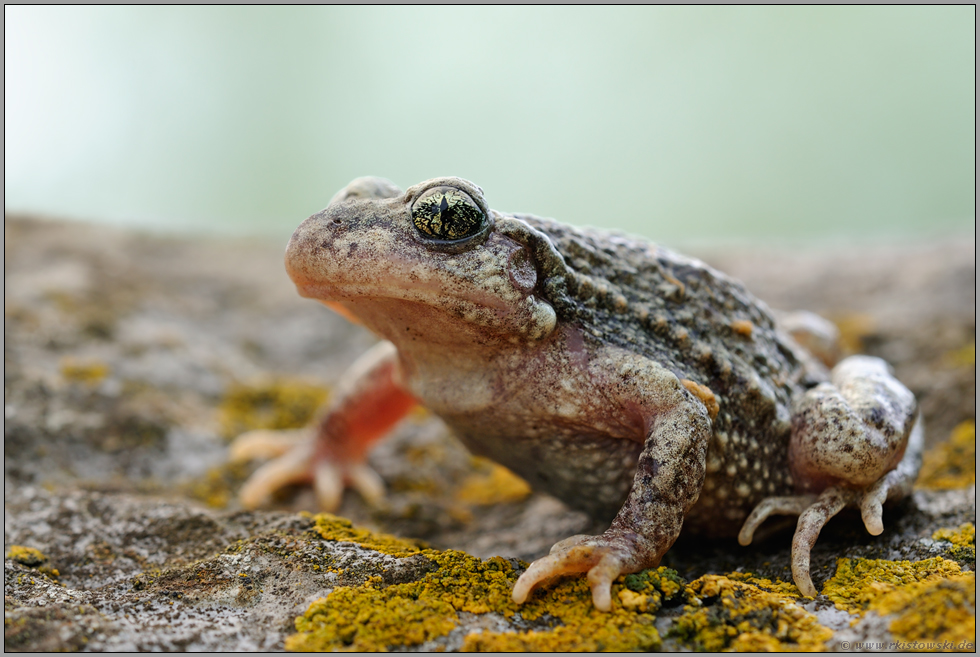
pixel 292 467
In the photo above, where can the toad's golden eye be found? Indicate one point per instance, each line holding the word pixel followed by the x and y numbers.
pixel 447 214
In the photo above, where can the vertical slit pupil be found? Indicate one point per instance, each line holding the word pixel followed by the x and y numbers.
pixel 447 214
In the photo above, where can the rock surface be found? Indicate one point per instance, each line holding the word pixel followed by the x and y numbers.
pixel 129 360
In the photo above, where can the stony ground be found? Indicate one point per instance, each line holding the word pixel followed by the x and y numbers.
pixel 130 360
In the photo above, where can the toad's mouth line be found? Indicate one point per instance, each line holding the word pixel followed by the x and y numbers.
pixel 429 295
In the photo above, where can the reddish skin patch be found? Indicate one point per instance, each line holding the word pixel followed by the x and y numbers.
pixel 348 431
pixel 575 344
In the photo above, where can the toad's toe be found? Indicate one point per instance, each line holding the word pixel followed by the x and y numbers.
pixel 602 564
pixel 292 467
pixel 296 459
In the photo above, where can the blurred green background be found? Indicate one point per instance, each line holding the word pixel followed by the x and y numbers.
pixel 687 125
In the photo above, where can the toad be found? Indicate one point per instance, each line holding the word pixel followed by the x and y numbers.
pixel 636 384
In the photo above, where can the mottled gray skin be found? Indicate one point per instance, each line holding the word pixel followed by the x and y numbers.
pixel 631 382
pixel 686 316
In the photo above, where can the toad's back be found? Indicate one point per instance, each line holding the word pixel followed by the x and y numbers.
pixel 705 328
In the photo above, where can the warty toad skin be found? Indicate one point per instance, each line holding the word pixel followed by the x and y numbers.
pixel 636 384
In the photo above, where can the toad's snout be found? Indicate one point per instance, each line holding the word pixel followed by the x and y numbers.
pixel 310 253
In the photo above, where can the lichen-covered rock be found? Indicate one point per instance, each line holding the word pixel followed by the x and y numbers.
pixel 130 360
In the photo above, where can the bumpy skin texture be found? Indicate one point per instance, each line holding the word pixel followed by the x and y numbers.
pixel 634 383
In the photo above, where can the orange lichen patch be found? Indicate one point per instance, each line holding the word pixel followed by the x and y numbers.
pixel 335 528
pixel 743 327
pixel 372 616
pixel 704 394
pixel 274 404
pixel 26 556
pixel 952 464
pixel 491 484
pixel 90 372
pixel 934 612
pixel 738 616
pixel 859 583
pixel 854 329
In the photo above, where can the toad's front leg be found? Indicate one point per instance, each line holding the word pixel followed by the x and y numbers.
pixel 332 453
pixel 856 441
pixel 668 480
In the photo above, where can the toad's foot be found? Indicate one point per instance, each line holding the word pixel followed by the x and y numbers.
pixel 815 512
pixel 295 461
pixel 602 558
pixel 858 442
pixel 332 453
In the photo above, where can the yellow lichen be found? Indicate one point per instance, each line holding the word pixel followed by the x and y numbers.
pixel 952 464
pixel 738 616
pixel 965 356
pixel 218 486
pixel 372 616
pixel 492 484
pixel 89 372
pixel 933 611
pixel 277 404
pixel 963 539
pixel 638 602
pixel 53 573
pixel 364 618
pixel 854 329
pixel 965 534
pixel 335 528
pixel 27 556
pixel 648 589
pixel 859 582
pixel 582 627
pixel 779 586
pixel 933 600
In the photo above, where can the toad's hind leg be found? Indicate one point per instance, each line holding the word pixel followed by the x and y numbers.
pixel 856 440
